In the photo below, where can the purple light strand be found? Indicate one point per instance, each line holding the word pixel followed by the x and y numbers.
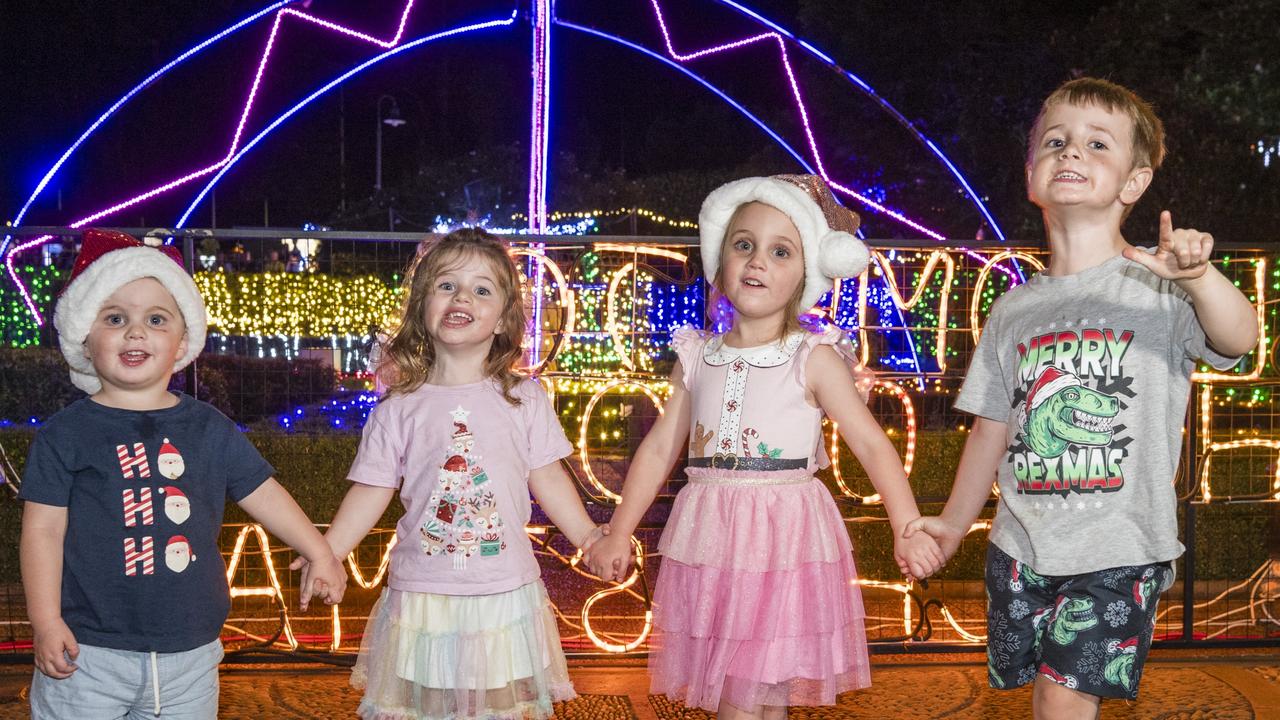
pixel 799 105
pixel 244 115
pixel 538 121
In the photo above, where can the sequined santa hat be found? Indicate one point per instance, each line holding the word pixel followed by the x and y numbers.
pixel 460 431
pixel 108 260
pixel 826 227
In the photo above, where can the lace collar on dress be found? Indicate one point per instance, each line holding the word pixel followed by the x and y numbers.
pixel 715 352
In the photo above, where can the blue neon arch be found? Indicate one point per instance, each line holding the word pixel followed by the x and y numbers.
pixel 861 85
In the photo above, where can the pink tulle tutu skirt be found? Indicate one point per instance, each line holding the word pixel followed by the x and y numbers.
pixel 757 601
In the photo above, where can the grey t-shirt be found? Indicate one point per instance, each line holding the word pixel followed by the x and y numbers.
pixel 1091 373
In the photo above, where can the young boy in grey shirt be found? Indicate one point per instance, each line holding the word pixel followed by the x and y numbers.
pixel 1080 384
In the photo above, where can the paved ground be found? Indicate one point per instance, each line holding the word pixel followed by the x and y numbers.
pixel 1227 685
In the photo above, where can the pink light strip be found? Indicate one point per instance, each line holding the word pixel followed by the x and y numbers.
pixel 235 140
pixel 538 120
pixel 800 108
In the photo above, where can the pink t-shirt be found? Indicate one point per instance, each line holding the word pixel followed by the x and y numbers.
pixel 461 457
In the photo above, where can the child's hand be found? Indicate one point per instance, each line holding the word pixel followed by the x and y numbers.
pixel 1182 254
pixel 610 557
pixel 918 556
pixel 55 649
pixel 595 535
pixel 326 577
pixel 301 563
pixel 945 534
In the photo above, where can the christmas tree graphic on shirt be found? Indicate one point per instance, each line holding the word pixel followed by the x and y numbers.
pixel 462 518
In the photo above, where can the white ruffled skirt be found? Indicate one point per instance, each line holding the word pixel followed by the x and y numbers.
pixel 458 657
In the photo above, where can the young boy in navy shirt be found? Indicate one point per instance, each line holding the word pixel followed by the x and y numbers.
pixel 124 493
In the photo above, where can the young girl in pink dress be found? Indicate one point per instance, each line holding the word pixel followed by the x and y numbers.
pixel 464 628
pixel 757 604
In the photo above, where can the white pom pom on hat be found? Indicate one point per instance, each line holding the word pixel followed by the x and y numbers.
pixel 826 227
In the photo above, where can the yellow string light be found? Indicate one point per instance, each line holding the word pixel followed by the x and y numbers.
pixel 586 420
pixel 975 298
pixel 273 590
pixel 622 587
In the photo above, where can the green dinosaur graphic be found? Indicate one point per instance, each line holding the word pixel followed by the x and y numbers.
pixel 1145 588
pixel 1072 616
pixel 1119 669
pixel 1038 621
pixel 1071 414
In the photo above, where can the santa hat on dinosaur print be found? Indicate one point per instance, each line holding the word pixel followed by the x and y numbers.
pixel 1051 380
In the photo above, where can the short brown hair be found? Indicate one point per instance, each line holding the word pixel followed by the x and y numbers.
pixel 1148 131
pixel 409 355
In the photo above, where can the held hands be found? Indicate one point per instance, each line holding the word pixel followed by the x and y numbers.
pixel 55 649
pixel 610 557
pixel 596 534
pixel 946 535
pixel 326 578
pixel 918 556
pixel 1182 254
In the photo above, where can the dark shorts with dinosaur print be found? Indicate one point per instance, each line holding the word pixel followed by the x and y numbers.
pixel 1089 632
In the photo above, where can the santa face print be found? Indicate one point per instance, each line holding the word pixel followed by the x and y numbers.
pixel 169 461
pixel 177 554
pixel 176 505
pixel 136 338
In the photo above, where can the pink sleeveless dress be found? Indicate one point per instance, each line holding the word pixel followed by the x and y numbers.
pixel 757 600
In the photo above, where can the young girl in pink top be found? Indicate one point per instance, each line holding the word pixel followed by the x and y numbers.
pixel 464 628
pixel 757 604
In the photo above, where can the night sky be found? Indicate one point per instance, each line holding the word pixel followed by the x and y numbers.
pixel 968 75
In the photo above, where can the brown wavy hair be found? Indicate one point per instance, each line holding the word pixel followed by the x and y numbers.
pixel 718 306
pixel 408 355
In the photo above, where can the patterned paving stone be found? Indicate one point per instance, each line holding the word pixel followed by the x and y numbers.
pixel 1168 693
pixel 1221 690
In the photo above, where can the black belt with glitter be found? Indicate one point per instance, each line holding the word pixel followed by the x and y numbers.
pixel 733 462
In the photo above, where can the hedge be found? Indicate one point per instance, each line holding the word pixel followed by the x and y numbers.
pixel 34 382
pixel 1231 540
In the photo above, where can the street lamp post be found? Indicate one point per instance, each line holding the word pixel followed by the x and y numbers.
pixel 394 120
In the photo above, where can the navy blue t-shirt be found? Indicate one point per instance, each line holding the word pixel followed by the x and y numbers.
pixel 144 492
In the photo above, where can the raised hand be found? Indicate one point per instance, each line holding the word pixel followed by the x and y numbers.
pixel 1182 254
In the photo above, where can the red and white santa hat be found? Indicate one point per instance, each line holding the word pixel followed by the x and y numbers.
pixel 1051 380
pixel 167 449
pixel 180 540
pixel 107 261
pixel 460 431
pixel 826 227
pixel 172 492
